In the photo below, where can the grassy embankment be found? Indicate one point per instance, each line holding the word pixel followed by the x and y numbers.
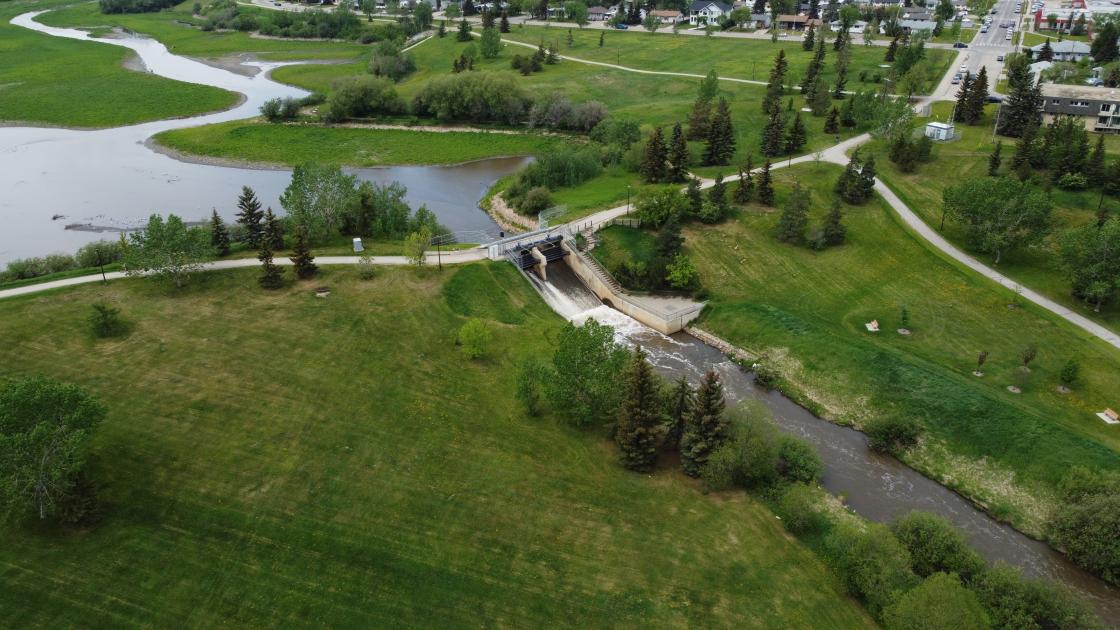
pixel 805 311
pixel 1037 267
pixel 294 460
pixel 54 81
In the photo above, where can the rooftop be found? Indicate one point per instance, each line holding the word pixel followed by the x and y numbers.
pixel 1080 91
pixel 1067 46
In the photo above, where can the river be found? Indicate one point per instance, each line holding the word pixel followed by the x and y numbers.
pixel 875 486
pixel 102 181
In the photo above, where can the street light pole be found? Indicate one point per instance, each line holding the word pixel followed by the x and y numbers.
pixel 627 199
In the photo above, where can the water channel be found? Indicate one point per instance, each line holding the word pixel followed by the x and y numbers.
pixel 110 178
pixel 101 181
pixel 877 487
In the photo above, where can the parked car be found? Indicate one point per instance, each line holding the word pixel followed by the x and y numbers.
pixel 960 45
pixel 621 27
pixel 999 58
pixel 992 98
pixel 1094 81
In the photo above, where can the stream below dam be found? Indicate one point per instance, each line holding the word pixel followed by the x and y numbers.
pixel 877 487
pixel 66 187
pixel 110 180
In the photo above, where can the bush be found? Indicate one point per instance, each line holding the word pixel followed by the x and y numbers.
pixel 1072 181
pixel 537 200
pixel 277 109
pixel 134 6
pixel 681 273
pixel 938 603
pixel 474 337
pixel 473 96
pixel 565 166
pixel 1015 602
pixel 358 97
pixel 800 510
pixel 531 380
pixel 765 376
pixel 871 562
pixel 106 321
pixel 656 205
pixel 936 546
pixel 388 61
pixel 620 132
pixel 798 460
pixel 893 434
pixel 749 456
pixel 99 253
pixel 555 111
pixel 27 268
pixel 1086 526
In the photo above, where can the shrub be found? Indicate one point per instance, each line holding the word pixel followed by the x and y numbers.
pixel 1086 525
pixel 565 166
pixel 358 97
pixel 277 109
pixel 134 6
pixel 798 460
pixel 99 253
pixel 681 273
pixel 106 321
pixel 765 376
pixel 800 511
pixel 936 546
pixel 1015 602
pixel 940 602
pixel 388 61
pixel 366 269
pixel 620 132
pixel 749 457
pixel 537 200
pixel 871 562
pixel 531 379
pixel 893 434
pixel 474 337
pixel 473 96
pixel 657 205
pixel 1072 181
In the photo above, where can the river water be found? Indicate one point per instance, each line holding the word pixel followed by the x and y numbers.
pixel 106 180
pixel 875 486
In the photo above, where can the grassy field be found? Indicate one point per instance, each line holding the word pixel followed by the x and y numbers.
pixel 55 81
pixel 730 57
pixel 806 311
pixel 174 28
pixel 1036 267
pixel 298 461
pixel 294 144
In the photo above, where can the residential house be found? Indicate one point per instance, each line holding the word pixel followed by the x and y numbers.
pixel 667 16
pixel 1067 50
pixel 708 12
pixel 796 22
pixel 598 14
pixel 1097 107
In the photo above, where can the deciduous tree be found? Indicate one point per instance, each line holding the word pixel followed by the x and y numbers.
pixel 1000 214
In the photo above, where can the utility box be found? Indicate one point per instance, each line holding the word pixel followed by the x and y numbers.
pixel 939 131
pixel 358 245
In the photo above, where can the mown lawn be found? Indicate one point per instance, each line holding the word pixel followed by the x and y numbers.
pixel 806 311
pixel 730 57
pixel 295 144
pixel 1037 267
pixel 271 458
pixel 55 81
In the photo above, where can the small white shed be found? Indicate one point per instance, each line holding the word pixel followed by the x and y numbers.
pixel 939 131
pixel 358 245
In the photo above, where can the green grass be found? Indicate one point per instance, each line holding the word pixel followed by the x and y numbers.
pixel 295 144
pixel 806 310
pixel 1037 267
pixel 607 190
pixel 55 81
pixel 1036 38
pixel 730 57
pixel 946 37
pixel 271 458
pixel 177 29
pixel 619 244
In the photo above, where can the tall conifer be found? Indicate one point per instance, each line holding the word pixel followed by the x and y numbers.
pixel 679 157
pixel 249 215
pixel 302 258
pixel 641 419
pixel 219 235
pixel 705 428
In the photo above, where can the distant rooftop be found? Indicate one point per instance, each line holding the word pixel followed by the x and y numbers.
pixel 1080 91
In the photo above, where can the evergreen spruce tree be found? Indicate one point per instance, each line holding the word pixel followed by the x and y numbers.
pixel 1047 52
pixel 848 186
pixel 717 195
pixel 1095 166
pixel 795 216
pixel 833 231
pixel 841 72
pixel 571 40
pixel 641 420
pixel 302 258
pixel 810 39
pixel 848 115
pixel 995 159
pixel 464 34
pixel 773 135
pixel 694 196
pixel 765 185
pixel 821 99
pixel 442 31
pixel 720 147
pixel 1025 148
pixel 1023 106
pixel 776 85
pixel 813 71
pixel 679 157
pixel 503 24
pixel 602 36
pixel 272 277
pixel 273 231
pixel 219 235
pixel 960 112
pixel 705 428
pixel 977 97
pixel 867 178
pixel 553 58
pixel 745 191
pixel 487 20
pixel 654 166
pixel 249 215
pixel 680 404
pixel 700 119
pixel 795 139
pixel 892 50
pixel 832 123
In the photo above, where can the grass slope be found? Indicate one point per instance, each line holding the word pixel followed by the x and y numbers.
pixel 271 458
pixel 295 144
pixel 55 81
pixel 1037 267
pixel 806 311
